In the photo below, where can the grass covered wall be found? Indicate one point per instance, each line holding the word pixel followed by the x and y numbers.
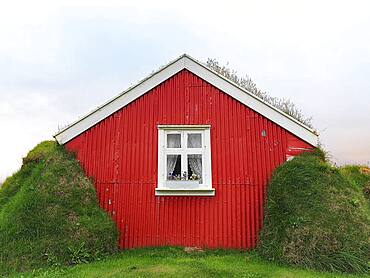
pixel 317 216
pixel 49 214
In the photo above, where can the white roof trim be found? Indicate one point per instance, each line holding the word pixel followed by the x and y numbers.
pixel 194 66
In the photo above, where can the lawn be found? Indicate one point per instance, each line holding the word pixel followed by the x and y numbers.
pixel 174 262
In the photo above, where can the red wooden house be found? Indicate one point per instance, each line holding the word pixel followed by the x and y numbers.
pixel 184 157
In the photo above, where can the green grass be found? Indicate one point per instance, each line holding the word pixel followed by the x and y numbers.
pixel 49 214
pixel 173 262
pixel 359 178
pixel 317 216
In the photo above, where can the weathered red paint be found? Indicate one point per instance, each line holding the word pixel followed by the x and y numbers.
pixel 120 154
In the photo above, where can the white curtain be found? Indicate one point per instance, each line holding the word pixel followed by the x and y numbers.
pixel 195 162
pixel 173 141
pixel 171 163
pixel 194 140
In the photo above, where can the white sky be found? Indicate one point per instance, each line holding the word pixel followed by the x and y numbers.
pixel 61 59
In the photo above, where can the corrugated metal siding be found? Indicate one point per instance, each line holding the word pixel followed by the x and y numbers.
pixel 120 153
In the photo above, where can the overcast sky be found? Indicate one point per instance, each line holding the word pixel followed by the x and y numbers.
pixel 59 60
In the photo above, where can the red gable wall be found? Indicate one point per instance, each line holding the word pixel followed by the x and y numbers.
pixel 120 154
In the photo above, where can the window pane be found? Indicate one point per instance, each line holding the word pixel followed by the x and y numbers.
pixel 173 140
pixel 173 167
pixel 194 140
pixel 195 167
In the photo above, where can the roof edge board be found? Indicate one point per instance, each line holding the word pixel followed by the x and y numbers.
pixel 250 93
pixel 122 93
pixel 187 62
pixel 252 102
pixel 116 103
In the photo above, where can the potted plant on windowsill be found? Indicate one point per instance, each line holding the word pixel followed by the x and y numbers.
pixel 182 182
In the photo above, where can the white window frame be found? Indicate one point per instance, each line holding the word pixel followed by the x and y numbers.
pixel 163 187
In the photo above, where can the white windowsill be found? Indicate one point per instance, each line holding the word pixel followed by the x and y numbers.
pixel 184 192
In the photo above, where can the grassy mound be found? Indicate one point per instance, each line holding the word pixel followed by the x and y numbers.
pixel 49 214
pixel 317 216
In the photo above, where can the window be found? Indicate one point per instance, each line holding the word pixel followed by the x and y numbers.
pixel 184 161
